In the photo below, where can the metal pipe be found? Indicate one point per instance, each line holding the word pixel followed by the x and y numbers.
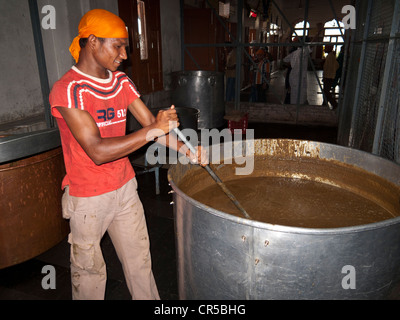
pixel 360 74
pixel 238 52
pixel 193 59
pixel 344 67
pixel 342 112
pixel 182 5
pixel 377 145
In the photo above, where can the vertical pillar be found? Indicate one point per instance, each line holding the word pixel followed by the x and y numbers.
pixel 360 74
pixel 41 60
pixel 239 46
pixel 377 146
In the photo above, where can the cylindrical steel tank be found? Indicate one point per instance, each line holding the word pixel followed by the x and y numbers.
pixel 30 206
pixel 188 117
pixel 224 256
pixel 203 90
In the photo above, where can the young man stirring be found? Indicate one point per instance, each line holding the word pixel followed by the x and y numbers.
pixel 90 103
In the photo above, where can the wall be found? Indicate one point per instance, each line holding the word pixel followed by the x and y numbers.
pixel 56 42
pixel 19 84
pixel 170 38
pixel 20 89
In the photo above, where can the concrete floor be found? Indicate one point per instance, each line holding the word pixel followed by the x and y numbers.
pixel 23 281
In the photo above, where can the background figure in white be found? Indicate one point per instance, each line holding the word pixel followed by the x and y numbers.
pixel 294 59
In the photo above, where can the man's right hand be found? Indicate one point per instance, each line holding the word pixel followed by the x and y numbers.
pixel 167 120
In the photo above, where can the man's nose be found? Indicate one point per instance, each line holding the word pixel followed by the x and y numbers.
pixel 123 53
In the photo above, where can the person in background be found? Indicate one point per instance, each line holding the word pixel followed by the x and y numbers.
pixel 287 77
pixel 90 103
pixel 338 76
pixel 261 75
pixel 297 67
pixel 253 89
pixel 230 73
pixel 298 60
pixel 330 67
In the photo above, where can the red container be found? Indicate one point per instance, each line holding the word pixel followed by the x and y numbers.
pixel 241 124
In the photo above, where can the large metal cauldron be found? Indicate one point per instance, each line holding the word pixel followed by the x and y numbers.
pixel 203 90
pixel 222 256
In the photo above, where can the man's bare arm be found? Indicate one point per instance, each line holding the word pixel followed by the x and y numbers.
pixel 102 150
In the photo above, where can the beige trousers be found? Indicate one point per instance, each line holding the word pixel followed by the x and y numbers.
pixel 121 214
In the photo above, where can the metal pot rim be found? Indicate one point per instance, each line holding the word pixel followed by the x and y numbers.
pixel 282 228
pixel 195 111
pixel 324 153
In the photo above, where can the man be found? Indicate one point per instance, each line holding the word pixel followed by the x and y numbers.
pixel 338 75
pixel 330 67
pixel 90 103
pixel 298 61
pixel 261 75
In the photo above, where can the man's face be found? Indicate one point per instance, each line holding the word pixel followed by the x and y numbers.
pixel 111 52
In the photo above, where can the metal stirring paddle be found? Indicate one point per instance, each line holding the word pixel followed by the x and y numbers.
pixel 213 175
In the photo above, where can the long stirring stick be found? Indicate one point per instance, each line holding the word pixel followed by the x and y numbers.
pixel 213 175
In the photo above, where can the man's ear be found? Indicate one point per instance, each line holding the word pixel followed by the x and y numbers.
pixel 92 41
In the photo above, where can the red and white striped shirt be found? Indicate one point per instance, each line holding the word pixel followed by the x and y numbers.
pixel 262 70
pixel 107 101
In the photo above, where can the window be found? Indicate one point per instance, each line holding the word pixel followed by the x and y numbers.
pixel 273 29
pixel 299 28
pixel 144 52
pixel 332 34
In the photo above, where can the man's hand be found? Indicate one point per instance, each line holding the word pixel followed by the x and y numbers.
pixel 201 156
pixel 167 120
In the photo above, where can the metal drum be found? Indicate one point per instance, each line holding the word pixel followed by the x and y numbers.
pixel 224 256
pixel 30 206
pixel 203 90
pixel 188 117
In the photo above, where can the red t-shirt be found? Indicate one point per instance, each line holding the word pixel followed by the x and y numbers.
pixel 107 102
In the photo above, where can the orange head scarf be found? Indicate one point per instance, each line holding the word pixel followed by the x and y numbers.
pixel 101 23
pixel 260 52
